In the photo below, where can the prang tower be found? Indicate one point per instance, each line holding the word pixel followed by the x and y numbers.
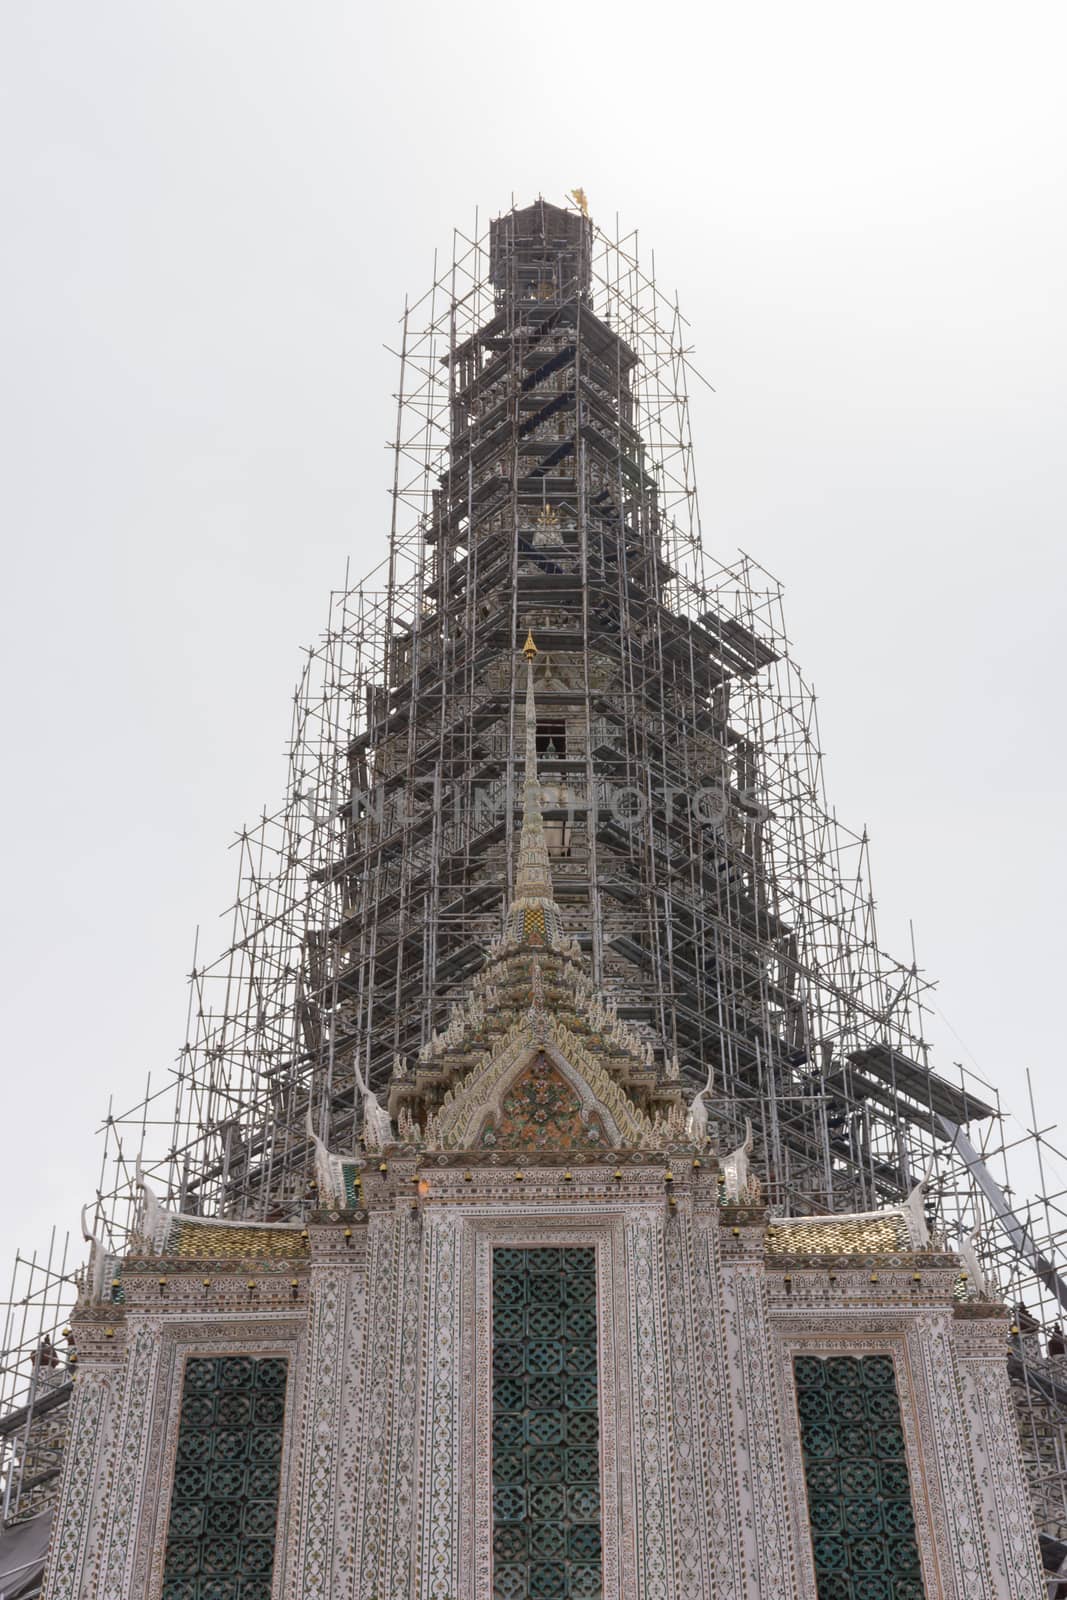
pixel 556 1197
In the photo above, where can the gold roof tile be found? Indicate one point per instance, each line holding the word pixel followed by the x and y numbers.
pixel 198 1241
pixel 881 1233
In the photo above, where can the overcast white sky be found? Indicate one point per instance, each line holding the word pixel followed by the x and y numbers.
pixel 209 215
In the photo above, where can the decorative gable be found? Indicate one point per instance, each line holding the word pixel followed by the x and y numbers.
pixel 542 1110
pixel 541 1089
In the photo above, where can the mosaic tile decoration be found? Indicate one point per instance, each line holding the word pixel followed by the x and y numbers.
pixel 546 1456
pixel 859 1496
pixel 542 1112
pixel 224 1503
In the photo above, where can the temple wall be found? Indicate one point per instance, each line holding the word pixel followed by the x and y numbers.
pixel 972 1526
pixel 711 1360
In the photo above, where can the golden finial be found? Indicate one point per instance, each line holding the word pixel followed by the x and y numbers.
pixel 578 196
pixel 529 649
pixel 548 517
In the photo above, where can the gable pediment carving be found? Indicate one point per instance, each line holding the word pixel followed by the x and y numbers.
pixel 537 1093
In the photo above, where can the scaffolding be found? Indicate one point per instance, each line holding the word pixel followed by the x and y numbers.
pixel 543 478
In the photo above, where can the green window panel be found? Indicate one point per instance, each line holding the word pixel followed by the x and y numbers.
pixel 350 1173
pixel 224 1502
pixel 859 1496
pixel 546 1437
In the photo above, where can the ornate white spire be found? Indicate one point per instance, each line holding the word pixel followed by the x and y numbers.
pixel 533 917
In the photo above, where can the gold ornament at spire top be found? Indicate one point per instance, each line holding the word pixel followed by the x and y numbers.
pixel 529 649
pixel 579 198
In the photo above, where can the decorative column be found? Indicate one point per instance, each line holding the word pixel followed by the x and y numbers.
pixel 769 1565
pixel 400 1510
pixel 980 1332
pixel 383 1532
pixel 322 1566
pixel 689 1451
pixel 947 1453
pixel 143 1346
pixel 651 1408
pixel 440 1547
pixel 72 1572
pixel 725 1548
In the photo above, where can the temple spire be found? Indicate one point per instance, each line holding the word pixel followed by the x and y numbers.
pixel 533 917
pixel 534 876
